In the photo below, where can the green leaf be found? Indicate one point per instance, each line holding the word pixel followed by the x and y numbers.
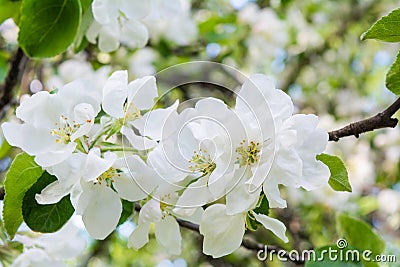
pixel 339 180
pixel 322 258
pixel 23 173
pixel 48 27
pixel 386 29
pixel 4 148
pixel 261 208
pixel 45 218
pixel 393 77
pixel 80 42
pixel 127 211
pixel 262 205
pixel 360 235
pixel 85 4
pixel 9 9
pixel 251 223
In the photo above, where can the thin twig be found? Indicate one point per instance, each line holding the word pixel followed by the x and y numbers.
pixel 381 120
pixel 17 65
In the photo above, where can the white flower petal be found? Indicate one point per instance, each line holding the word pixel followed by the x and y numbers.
pixel 84 115
pixel 259 174
pixel 287 167
pixel 274 225
pixel 168 234
pixel 66 243
pixel 135 9
pixel 77 92
pixel 69 170
pixel 315 175
pixel 150 212
pixel 193 215
pixel 152 123
pixel 139 236
pixel 115 93
pixel 164 10
pixel 163 166
pixel 109 37
pixel 128 189
pixel 218 181
pixel 53 193
pixel 253 106
pixel 142 91
pixel 95 165
pixel 222 233
pixel 143 176
pixel 271 190
pixel 137 142
pixel 134 34
pixel 105 11
pixel 195 195
pixel 54 157
pixel 93 32
pixel 41 110
pixel 16 135
pixel 241 198
pixel 103 211
pixel 36 257
pixel 279 102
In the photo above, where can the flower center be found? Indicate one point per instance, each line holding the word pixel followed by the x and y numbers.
pixel 107 177
pixel 131 112
pixel 248 154
pixel 202 162
pixel 65 131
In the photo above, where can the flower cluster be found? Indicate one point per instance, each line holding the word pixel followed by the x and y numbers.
pixel 210 164
pixel 129 21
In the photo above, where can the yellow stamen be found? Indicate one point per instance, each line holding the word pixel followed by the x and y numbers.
pixel 248 154
pixel 202 162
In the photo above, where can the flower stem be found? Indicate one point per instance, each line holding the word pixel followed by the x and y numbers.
pixel 118 148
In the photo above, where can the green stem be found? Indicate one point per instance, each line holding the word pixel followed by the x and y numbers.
pixel 95 140
pixel 117 148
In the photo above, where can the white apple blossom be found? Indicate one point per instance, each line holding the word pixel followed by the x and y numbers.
pixel 142 62
pixel 9 31
pixel 125 100
pixel 195 146
pixel 223 233
pixel 171 20
pixel 118 22
pixel 124 103
pixel 88 179
pixel 129 22
pixel 268 33
pixel 55 123
pixel 50 249
pixel 289 155
pixel 78 68
pixel 159 211
pixel 166 227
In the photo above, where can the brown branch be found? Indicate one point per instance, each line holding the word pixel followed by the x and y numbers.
pixel 248 243
pixel 17 65
pixel 381 120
